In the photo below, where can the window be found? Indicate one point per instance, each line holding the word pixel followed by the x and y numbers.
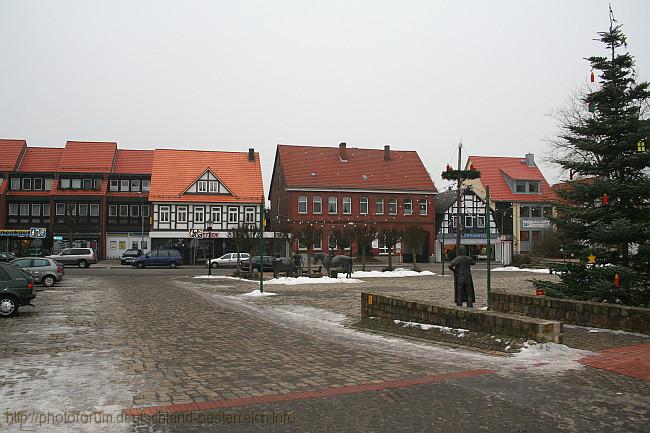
pixel 135 210
pixel 547 211
pixel 145 210
pixel 214 186
pixel 48 184
pixel 24 209
pixel 202 186
pixel 135 185
pixel 98 183
pixel 164 214
pixel 347 205
pixel 233 214
pixel 60 208
pixel 302 204
pixel 423 206
pixel 124 210
pixel 249 215
pixel 15 183
pixel 536 211
pixel 524 236
pixel 71 209
pixel 36 210
pixel 392 206
pixel 480 221
pixel 27 183
pixel 76 183
pixel 199 214
pixel 146 184
pixel 332 205
pixel 13 209
pixel 46 210
pixel 88 184
pixel 533 187
pixel 469 221
pixel 115 185
pixel 124 185
pixel 215 214
pixel 317 204
pixel 38 184
pixel 520 186
pixel 64 183
pixel 181 214
pixel 112 210
pixel 524 212
pixel 83 209
pixel 363 205
pixel 94 210
pixel 379 205
pixel 408 206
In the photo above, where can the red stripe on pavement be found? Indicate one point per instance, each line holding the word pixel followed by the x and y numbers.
pixel 633 361
pixel 303 395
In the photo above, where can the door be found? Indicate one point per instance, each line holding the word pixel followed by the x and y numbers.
pixel 65 257
pixel 27 266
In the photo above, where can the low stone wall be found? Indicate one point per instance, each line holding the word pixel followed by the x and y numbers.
pixel 460 317
pixel 581 313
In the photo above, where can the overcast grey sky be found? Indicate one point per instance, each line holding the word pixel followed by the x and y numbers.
pixel 228 75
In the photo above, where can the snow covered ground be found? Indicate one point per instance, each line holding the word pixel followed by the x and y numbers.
pixel 396 273
pixel 288 281
pixel 257 294
pixel 515 269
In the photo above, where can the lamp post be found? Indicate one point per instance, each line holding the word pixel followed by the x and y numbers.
pixel 262 221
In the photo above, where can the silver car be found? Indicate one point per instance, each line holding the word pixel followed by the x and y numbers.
pixel 228 260
pixel 82 257
pixel 43 270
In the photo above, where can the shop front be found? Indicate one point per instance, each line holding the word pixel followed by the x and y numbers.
pixel 24 242
pixel 69 239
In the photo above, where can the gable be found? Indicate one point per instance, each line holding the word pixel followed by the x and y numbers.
pixel 208 183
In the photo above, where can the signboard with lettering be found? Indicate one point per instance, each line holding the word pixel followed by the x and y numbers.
pixel 535 224
pixel 34 232
pixel 203 234
pixel 37 232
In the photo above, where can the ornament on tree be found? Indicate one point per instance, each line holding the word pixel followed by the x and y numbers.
pixel 448 167
pixel 593 77
pixel 570 174
pixel 605 199
pixel 617 281
pixel 640 146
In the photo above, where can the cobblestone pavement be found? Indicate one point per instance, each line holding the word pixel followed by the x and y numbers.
pixel 108 340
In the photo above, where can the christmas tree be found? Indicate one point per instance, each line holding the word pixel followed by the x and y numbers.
pixel 603 212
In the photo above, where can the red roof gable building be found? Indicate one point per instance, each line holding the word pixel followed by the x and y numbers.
pixel 198 196
pixel 334 187
pixel 521 201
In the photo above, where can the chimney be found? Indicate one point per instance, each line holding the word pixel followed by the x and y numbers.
pixel 387 152
pixel 343 155
pixel 251 154
pixel 530 159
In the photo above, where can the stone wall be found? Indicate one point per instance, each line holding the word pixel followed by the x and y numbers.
pixel 596 314
pixel 460 317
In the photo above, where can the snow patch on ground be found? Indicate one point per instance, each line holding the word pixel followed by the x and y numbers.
pixel 515 269
pixel 290 281
pixel 303 313
pixel 257 294
pixel 395 273
pixel 607 331
pixel 460 332
pixel 222 277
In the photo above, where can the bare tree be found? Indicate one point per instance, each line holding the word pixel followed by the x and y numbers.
pixel 244 236
pixel 344 237
pixel 413 237
pixel 308 235
pixel 390 237
pixel 364 235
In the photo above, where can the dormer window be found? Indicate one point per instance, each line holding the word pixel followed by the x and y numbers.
pixel 202 186
pixel 214 186
pixel 527 187
pixel 207 183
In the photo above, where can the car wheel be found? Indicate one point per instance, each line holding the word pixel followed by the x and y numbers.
pixel 173 265
pixel 140 265
pixel 214 265
pixel 82 264
pixel 8 306
pixel 48 281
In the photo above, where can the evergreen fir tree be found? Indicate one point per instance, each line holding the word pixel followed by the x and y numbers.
pixel 605 212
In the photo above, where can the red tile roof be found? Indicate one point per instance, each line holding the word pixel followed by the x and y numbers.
pixel 494 169
pixel 88 157
pixel 11 151
pixel 41 159
pixel 175 170
pixel 133 162
pixel 321 167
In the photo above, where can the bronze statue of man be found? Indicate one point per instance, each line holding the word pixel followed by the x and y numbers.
pixel 463 284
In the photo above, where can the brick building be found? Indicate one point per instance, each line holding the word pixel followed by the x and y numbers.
pixel 334 187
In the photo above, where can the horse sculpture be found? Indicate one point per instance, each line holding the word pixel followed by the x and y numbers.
pixel 341 262
pixel 284 264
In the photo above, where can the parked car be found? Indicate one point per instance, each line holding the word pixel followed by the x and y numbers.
pixel 228 260
pixel 16 289
pixel 7 256
pixel 171 258
pixel 82 257
pixel 43 271
pixel 129 255
pixel 254 263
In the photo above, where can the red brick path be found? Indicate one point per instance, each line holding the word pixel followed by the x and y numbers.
pixel 633 361
pixel 300 395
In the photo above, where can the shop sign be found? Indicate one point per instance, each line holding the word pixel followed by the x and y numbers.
pixel 17 233
pixel 38 232
pixel 203 234
pixel 535 224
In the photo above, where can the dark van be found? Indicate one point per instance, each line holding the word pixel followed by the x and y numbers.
pixel 171 258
